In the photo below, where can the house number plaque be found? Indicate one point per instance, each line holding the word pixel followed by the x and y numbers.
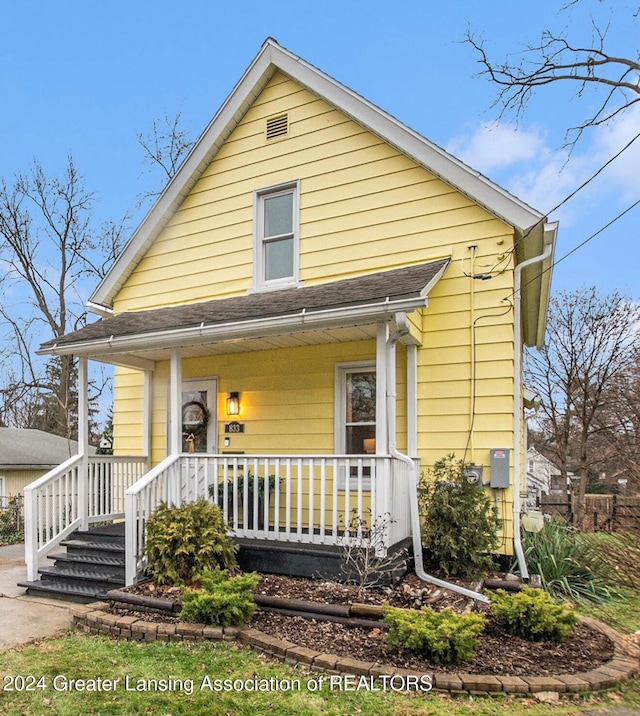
pixel 234 427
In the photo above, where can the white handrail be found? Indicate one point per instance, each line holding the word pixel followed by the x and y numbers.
pixel 310 498
pixel 67 497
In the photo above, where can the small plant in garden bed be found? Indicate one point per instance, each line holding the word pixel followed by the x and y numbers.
pixel 222 600
pixel 183 542
pixel 442 637
pixel 533 615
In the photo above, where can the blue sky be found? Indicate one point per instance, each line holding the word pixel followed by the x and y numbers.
pixel 84 78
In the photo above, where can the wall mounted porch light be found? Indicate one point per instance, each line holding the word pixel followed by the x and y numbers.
pixel 233 403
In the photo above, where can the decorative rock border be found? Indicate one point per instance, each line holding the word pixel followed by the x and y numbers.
pixel 95 619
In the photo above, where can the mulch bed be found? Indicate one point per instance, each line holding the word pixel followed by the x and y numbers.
pixel 497 654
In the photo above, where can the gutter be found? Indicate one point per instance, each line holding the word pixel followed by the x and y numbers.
pixel 250 328
pixel 402 331
pixel 517 407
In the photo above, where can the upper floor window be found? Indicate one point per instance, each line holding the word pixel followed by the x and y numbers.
pixel 276 236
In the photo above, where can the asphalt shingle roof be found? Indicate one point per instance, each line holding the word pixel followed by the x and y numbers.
pixel 407 282
pixel 23 448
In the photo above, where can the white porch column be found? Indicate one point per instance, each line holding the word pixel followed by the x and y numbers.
pixel 175 400
pixel 83 441
pixel 412 400
pixel 382 434
pixel 146 416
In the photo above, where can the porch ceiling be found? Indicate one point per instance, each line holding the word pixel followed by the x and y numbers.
pixel 338 311
pixel 147 358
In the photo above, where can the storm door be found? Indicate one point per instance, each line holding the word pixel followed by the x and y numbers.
pixel 199 416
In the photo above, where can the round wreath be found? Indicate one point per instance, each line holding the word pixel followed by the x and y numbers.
pixel 200 427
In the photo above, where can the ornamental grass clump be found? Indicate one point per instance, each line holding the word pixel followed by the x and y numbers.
pixel 183 542
pixel 442 637
pixel 222 600
pixel 532 615
pixel 570 567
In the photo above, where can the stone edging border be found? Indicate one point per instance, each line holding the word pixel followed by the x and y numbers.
pixel 95 619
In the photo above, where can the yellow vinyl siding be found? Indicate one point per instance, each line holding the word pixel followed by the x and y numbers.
pixel 128 411
pixel 363 207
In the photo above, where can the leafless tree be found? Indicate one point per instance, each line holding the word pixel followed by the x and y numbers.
pixel 592 342
pixel 164 148
pixel 556 58
pixel 47 247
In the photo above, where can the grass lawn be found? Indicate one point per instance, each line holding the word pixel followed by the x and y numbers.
pixel 54 662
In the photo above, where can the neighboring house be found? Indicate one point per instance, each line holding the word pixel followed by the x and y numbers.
pixel 542 478
pixel 26 455
pixel 321 299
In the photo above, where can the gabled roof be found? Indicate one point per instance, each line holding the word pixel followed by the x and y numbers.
pixel 272 57
pixel 25 449
pixel 352 301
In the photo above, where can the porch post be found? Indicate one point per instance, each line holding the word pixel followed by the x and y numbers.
pixel 146 416
pixel 175 399
pixel 412 400
pixel 382 435
pixel 83 441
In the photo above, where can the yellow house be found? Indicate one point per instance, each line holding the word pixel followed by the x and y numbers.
pixel 320 305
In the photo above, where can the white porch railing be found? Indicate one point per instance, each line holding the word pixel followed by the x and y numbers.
pixel 313 499
pixel 79 491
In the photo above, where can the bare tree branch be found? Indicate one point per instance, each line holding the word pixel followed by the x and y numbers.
pixel 164 148
pixel 554 59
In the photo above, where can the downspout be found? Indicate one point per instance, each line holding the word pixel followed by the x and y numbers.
pixel 517 404
pixel 402 330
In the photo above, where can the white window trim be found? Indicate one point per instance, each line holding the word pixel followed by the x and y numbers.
pixel 340 403
pixel 259 282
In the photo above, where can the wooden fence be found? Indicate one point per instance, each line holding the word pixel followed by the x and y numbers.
pixel 603 513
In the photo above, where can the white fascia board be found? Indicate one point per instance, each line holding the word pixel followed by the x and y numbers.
pixel 272 57
pixel 238 330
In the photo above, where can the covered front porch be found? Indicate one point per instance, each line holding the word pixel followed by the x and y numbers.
pixel 358 486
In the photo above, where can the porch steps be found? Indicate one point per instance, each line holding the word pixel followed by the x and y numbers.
pixel 92 565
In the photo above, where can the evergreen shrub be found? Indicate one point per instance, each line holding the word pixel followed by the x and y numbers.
pixel 460 523
pixel 442 637
pixel 221 601
pixel 183 542
pixel 532 615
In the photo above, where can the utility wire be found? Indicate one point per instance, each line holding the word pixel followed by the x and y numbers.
pixel 564 201
pixel 582 243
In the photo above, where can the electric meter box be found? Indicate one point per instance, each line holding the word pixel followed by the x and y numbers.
pixel 499 459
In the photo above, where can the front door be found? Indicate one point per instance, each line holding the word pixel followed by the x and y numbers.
pixel 199 415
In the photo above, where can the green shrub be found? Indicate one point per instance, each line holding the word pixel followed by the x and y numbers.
pixel 570 566
pixel 533 615
pixel 442 637
pixel 220 601
pixel 460 523
pixel 182 542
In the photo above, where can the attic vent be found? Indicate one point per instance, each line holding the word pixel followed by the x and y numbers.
pixel 278 126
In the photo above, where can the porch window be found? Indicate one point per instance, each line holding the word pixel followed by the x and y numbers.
pixel 356 417
pixel 276 236
pixel 356 409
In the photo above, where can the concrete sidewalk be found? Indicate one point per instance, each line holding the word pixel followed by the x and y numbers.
pixel 23 618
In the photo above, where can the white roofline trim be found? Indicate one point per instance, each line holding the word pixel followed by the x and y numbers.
pixel 250 328
pixel 270 58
